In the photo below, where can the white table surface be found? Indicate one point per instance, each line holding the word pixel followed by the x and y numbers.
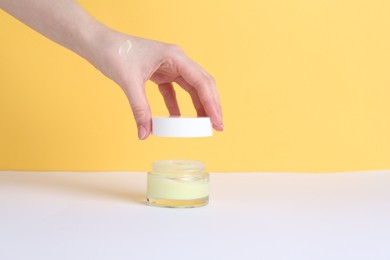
pixel 70 215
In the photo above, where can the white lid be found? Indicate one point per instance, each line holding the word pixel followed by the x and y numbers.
pixel 181 126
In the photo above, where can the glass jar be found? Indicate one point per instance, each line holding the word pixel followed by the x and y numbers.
pixel 178 184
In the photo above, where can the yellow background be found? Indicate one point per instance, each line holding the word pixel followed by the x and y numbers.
pixel 305 86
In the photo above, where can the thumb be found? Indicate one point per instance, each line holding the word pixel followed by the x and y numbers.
pixel 136 95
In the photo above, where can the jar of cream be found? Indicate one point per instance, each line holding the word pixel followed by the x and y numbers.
pixel 178 184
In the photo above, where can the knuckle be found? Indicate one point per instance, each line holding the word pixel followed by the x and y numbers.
pixel 177 48
pixel 140 114
pixel 206 82
pixel 209 80
pixel 174 50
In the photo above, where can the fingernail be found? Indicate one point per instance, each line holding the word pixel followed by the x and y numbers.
pixel 141 133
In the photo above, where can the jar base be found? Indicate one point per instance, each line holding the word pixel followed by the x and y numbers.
pixel 169 203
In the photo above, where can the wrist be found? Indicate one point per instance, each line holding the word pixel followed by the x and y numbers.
pixel 90 40
pixel 101 47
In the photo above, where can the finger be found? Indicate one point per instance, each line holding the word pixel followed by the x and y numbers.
pixel 214 89
pixel 169 95
pixel 135 93
pixel 194 96
pixel 216 95
pixel 206 89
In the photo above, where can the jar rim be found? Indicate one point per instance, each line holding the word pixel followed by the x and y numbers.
pixel 178 166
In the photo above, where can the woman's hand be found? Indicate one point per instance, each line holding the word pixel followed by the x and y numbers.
pixel 131 61
pixel 128 60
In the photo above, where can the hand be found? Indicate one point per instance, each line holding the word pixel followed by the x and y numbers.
pixel 65 22
pixel 162 63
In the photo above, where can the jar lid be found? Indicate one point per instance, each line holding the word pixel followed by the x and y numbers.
pixel 181 126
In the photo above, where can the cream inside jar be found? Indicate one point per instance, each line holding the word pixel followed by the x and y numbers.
pixel 177 184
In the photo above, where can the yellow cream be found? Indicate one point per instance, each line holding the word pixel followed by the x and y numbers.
pixel 161 187
pixel 178 184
